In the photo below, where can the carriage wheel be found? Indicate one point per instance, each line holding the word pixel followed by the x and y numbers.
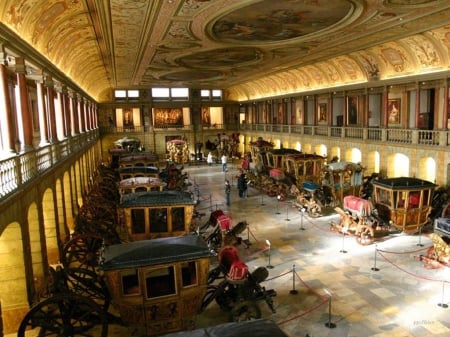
pixel 209 296
pixel 89 284
pixel 65 315
pixel 245 311
pixel 366 235
pixel 82 251
pixel 314 211
pixel 215 273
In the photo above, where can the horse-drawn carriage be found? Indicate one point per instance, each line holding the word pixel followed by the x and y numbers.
pixel 397 205
pixel 157 284
pixel 359 219
pixel 403 202
pixel 237 291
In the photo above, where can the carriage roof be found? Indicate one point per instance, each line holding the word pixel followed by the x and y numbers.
pixel 141 181
pixel 138 169
pixel 342 165
pixel 130 156
pixel 258 327
pixel 303 156
pixel 157 198
pixel 154 252
pixel 402 183
pixel 285 151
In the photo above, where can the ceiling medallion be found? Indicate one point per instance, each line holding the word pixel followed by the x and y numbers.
pixel 280 20
pixel 222 58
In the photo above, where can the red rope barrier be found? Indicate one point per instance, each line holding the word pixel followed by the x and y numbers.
pixel 409 273
pixel 408 252
pixel 304 312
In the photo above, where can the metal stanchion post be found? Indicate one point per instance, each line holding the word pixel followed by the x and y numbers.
pixel 287 212
pixel 374 268
pixel 442 304
pixel 262 200
pixel 329 324
pixel 302 211
pixel 278 204
pixel 343 240
pixel 420 237
pixel 293 291
pixel 269 265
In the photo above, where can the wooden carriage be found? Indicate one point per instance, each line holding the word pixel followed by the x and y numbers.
pixel 343 178
pixel 157 285
pixel 132 159
pixel 305 167
pixel 155 214
pixel 140 184
pixel 138 171
pixel 403 202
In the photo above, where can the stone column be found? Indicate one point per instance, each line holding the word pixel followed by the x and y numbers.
pixel 49 84
pixel 43 122
pixel 7 126
pixel 27 118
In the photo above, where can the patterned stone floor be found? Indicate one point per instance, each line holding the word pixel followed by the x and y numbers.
pixel 333 277
pixel 398 299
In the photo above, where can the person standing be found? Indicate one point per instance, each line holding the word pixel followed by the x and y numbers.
pixel 224 163
pixel 242 185
pixel 227 191
pixel 245 164
pixel 209 159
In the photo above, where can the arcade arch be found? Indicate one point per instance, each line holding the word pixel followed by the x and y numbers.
pixel 398 165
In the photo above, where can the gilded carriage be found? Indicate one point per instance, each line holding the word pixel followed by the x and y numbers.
pixel 305 167
pixel 132 159
pixel 343 178
pixel 155 214
pixel 140 184
pixel 157 285
pixel 359 219
pixel 138 171
pixel 403 202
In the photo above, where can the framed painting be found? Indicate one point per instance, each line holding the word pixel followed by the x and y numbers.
pixel 352 110
pixel 322 113
pixel 127 118
pixel 393 111
pixel 206 116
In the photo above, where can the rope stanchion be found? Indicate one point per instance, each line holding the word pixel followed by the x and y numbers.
pixel 442 304
pixel 293 291
pixel 374 268
pixel 325 299
pixel 329 324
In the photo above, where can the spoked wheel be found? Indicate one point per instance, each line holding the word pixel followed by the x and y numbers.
pixel 209 297
pixel 245 311
pixel 65 315
pixel 89 284
pixel 366 236
pixel 82 251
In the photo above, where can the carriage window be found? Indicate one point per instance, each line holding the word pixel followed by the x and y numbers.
pixel 178 219
pixel 399 199
pixel 301 169
pixel 137 221
pixel 158 220
pixel 160 282
pixel 383 197
pixel 426 197
pixel 189 273
pixel 130 282
pixel 414 199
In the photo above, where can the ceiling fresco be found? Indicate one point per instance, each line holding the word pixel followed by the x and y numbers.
pixel 251 49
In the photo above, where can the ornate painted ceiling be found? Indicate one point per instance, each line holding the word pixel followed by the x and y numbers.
pixel 249 48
